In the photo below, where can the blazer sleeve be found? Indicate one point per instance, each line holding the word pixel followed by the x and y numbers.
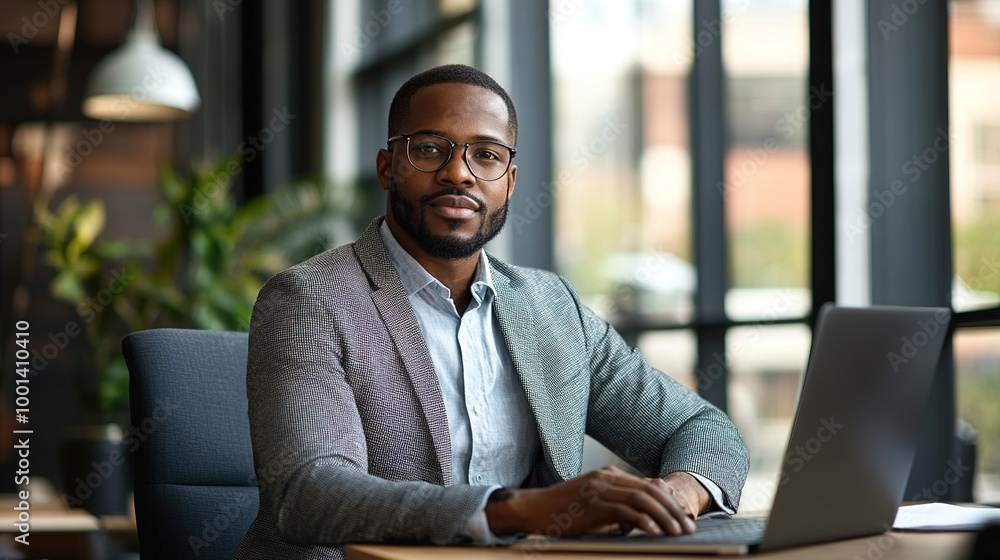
pixel 653 422
pixel 309 446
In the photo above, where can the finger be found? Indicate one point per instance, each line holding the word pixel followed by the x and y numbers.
pixel 657 500
pixel 674 502
pixel 629 516
pixel 677 507
pixel 680 495
pixel 642 509
pixel 612 529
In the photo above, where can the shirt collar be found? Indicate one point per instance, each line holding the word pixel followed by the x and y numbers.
pixel 415 278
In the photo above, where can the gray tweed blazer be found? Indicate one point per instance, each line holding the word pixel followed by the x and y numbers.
pixel 349 432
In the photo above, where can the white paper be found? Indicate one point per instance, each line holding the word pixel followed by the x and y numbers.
pixel 944 517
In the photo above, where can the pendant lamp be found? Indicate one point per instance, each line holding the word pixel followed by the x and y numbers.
pixel 141 80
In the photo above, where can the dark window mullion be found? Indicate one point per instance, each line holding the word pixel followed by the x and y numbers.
pixel 821 154
pixel 708 145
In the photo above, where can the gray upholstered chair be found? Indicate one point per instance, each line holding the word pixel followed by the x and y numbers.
pixel 195 489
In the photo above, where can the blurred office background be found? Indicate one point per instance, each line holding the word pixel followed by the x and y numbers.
pixel 708 174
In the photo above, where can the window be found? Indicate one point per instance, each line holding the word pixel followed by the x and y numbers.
pixel 974 156
pixel 627 188
pixel 767 162
pixel 974 152
pixel 621 75
pixel 621 148
pixel 977 379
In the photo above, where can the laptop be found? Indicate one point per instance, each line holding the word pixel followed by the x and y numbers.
pixel 851 446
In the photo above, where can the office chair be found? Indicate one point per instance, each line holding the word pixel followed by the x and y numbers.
pixel 195 488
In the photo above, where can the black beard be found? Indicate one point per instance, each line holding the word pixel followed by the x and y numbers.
pixel 442 246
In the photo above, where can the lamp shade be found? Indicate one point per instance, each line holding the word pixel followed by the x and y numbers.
pixel 141 80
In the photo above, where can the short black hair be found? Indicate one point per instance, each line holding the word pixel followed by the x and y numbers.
pixel 447 74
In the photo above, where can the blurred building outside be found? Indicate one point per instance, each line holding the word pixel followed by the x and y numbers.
pixel 623 215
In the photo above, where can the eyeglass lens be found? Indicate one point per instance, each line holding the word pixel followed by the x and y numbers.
pixel 487 160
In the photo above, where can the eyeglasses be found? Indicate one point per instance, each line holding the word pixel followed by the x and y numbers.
pixel 429 152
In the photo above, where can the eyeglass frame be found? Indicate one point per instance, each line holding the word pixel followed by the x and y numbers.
pixel 465 155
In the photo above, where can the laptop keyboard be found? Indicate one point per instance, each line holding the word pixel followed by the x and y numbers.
pixel 737 530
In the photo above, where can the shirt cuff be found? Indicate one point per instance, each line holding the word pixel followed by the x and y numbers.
pixel 718 501
pixel 477 527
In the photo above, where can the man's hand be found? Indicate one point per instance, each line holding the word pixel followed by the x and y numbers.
pixel 603 501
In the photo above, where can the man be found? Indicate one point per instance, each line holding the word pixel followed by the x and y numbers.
pixel 410 387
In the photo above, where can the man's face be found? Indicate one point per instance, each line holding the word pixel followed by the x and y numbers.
pixel 449 213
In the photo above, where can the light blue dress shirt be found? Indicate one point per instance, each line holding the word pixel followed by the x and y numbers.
pixel 494 441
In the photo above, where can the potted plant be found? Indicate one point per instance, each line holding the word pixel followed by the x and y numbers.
pixel 205 273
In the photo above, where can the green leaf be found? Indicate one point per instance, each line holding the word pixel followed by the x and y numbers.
pixel 124 248
pixel 85 267
pixel 55 258
pixel 113 389
pixel 174 190
pixel 67 211
pixel 90 222
pixel 67 287
pixel 56 224
pixel 46 220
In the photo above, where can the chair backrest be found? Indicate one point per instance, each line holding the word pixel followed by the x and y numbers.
pixel 195 488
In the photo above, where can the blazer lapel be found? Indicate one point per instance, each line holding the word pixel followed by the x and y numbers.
pixel 391 300
pixel 517 325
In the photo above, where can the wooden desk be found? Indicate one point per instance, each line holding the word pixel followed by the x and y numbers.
pixel 57 532
pixel 54 533
pixel 888 546
pixel 51 521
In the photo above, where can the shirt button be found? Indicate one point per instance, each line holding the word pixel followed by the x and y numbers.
pixel 479 478
pixel 477 409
